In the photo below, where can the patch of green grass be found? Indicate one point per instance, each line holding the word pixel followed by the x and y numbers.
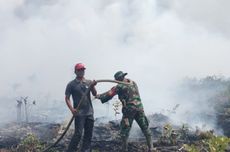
pixel 214 144
pixel 30 144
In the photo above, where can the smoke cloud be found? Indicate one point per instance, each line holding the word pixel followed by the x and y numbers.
pixel 158 42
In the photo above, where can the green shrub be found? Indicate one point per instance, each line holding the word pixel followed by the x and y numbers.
pixel 30 144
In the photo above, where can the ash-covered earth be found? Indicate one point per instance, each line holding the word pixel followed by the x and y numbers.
pixel 167 137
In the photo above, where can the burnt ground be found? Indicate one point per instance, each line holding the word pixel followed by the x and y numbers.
pixel 105 137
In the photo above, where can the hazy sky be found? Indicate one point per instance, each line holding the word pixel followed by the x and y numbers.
pixel 158 42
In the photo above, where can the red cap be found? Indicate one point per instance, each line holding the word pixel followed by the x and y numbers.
pixel 79 66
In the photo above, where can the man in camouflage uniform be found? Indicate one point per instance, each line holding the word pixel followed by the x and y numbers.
pixel 132 109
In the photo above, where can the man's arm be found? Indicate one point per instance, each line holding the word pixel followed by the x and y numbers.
pixel 69 104
pixel 68 93
pixel 93 89
pixel 105 97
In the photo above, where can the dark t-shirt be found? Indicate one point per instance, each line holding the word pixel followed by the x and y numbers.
pixel 77 88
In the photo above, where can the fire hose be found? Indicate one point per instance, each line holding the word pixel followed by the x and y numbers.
pixel 79 104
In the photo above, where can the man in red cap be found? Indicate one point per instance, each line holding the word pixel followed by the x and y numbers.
pixel 84 119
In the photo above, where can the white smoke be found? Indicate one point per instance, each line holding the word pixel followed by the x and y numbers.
pixel 158 42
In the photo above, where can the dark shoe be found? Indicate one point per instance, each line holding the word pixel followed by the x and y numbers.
pixel 86 150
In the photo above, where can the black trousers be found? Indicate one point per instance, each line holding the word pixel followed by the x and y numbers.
pixel 85 123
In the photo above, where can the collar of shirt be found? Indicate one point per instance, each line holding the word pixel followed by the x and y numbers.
pixel 80 81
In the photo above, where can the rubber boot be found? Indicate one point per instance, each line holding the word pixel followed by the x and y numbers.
pixel 150 144
pixel 124 143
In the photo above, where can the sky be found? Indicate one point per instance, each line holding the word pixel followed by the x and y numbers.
pixel 157 42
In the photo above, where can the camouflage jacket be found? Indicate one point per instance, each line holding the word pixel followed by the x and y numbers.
pixel 127 94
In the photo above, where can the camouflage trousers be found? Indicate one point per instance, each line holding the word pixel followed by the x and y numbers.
pixel 139 116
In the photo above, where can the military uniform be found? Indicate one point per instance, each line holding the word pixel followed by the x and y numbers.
pixel 132 109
